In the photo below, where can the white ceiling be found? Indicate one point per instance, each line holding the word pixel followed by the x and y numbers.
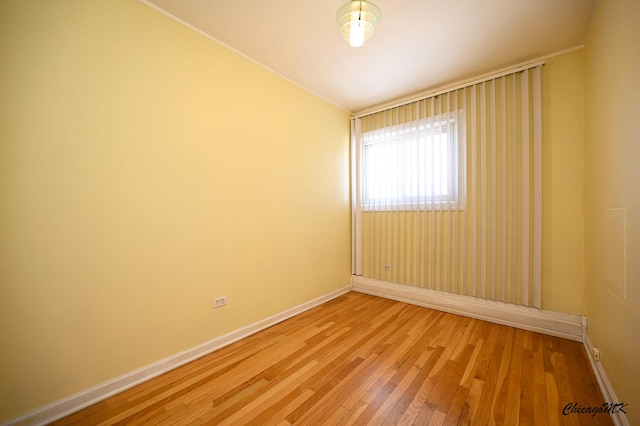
pixel 419 44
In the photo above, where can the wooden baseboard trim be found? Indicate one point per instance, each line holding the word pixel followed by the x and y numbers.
pixel 619 419
pixel 66 406
pixel 553 323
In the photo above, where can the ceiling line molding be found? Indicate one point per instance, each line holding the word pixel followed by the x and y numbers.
pixel 243 55
pixel 461 84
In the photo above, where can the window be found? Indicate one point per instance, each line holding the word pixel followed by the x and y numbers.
pixel 416 165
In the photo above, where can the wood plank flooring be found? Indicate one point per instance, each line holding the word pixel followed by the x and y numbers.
pixel 360 359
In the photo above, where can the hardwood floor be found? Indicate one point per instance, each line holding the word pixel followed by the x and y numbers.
pixel 360 359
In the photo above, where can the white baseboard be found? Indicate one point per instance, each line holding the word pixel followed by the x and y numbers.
pixel 553 323
pixel 66 406
pixel 619 419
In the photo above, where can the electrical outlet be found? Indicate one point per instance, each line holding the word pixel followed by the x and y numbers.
pixel 219 302
pixel 596 353
pixel 387 266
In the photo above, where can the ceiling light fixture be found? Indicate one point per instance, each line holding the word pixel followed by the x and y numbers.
pixel 357 20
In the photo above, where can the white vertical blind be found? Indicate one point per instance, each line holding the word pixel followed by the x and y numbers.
pixel 429 215
pixel 525 198
pixel 537 186
pixel 356 215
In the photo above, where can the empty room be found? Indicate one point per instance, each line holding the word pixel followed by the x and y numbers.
pixel 340 212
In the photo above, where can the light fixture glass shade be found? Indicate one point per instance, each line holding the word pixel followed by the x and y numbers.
pixel 357 21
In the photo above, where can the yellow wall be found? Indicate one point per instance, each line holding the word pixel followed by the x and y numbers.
pixel 563 183
pixel 612 176
pixel 145 170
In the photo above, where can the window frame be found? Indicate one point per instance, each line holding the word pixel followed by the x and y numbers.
pixel 454 124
